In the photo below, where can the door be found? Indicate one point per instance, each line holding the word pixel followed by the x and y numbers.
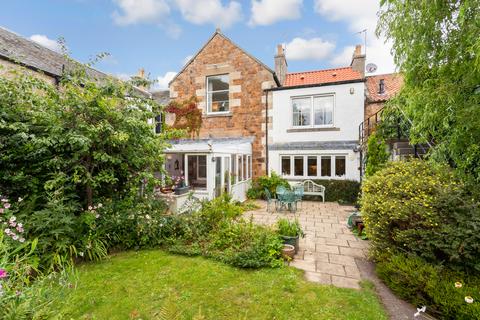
pixel 218 176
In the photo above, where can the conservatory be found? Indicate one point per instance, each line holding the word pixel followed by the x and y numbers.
pixel 207 168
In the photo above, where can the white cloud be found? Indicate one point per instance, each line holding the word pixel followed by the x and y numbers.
pixel 358 15
pixel 210 11
pixel 308 49
pixel 162 81
pixel 186 59
pixel 266 12
pixel 140 11
pixel 46 42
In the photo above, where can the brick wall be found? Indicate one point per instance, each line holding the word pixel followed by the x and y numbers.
pixel 247 79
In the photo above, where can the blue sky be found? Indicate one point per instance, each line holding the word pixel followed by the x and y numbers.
pixel 159 35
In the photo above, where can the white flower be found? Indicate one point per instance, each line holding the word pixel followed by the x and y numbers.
pixel 13 219
pixel 20 225
pixel 148 217
pixel 15 237
pixel 20 199
pixel 7 205
pixel 22 240
pixel 4 200
pixel 97 216
pixel 100 205
pixel 81 254
pixel 90 207
pixel 7 231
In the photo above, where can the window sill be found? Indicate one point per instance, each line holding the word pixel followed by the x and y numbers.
pixel 215 115
pixel 313 129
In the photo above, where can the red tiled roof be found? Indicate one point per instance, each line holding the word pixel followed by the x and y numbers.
pixel 321 76
pixel 393 84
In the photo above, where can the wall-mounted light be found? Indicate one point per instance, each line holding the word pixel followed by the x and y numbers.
pixel 352 90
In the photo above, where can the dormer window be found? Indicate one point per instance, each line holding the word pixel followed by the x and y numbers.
pixel 381 86
pixel 218 93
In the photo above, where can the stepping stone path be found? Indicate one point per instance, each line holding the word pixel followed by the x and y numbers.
pixel 328 251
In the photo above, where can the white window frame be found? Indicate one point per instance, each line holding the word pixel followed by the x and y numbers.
pixel 312 111
pixel 207 94
pixel 305 175
pixel 187 178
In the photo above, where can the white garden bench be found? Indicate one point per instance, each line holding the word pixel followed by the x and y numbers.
pixel 310 188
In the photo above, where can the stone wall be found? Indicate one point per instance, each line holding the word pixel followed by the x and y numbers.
pixel 248 78
pixel 7 69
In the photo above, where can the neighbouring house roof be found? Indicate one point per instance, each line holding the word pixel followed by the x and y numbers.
pixel 26 52
pixel 220 34
pixel 320 77
pixel 23 51
pixel 393 83
pixel 162 97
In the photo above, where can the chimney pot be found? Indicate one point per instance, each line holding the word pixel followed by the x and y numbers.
pixel 358 60
pixel 280 64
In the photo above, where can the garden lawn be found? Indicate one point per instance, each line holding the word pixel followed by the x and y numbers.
pixel 159 285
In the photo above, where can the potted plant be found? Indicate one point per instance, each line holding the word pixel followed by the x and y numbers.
pixel 290 232
pixel 179 183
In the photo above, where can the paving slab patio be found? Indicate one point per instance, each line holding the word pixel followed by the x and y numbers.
pixel 328 251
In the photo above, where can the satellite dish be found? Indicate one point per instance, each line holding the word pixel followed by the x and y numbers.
pixel 371 67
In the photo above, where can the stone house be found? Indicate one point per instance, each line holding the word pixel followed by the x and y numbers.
pixel 229 85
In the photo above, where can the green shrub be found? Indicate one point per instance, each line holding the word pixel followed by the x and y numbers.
pixel 133 223
pixel 342 191
pixel 247 245
pixel 271 183
pixel 423 209
pixel 377 154
pixel 421 283
pixel 217 231
pixel 289 228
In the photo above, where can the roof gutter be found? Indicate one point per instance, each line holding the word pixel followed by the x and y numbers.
pixel 316 85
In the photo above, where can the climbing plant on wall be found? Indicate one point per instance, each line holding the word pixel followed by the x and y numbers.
pixel 187 115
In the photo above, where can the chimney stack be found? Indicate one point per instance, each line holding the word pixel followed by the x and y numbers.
pixel 280 64
pixel 358 60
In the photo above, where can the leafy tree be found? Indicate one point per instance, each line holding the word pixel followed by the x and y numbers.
pixel 91 138
pixel 436 45
pixel 377 154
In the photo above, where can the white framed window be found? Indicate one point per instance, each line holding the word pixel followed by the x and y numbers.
pixel 340 166
pixel 218 93
pixel 298 166
pixel 196 173
pixel 249 167
pixel 313 111
pixel 323 110
pixel 233 158
pixel 313 166
pixel 326 166
pixel 286 164
pixel 240 167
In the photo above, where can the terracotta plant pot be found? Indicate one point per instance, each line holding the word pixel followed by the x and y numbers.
pixel 294 241
pixel 288 251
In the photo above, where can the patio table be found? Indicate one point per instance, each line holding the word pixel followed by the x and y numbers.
pixel 287 198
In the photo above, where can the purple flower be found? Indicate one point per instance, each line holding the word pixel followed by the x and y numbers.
pixel 6 205
pixel 2 210
pixel 3 273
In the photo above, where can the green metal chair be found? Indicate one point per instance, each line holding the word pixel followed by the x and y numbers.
pixel 270 199
pixel 299 191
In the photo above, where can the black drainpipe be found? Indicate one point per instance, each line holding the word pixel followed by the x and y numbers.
pixel 266 131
